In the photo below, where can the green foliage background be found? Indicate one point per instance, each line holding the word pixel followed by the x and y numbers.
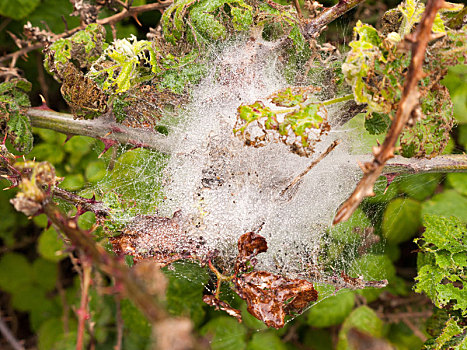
pixel 39 287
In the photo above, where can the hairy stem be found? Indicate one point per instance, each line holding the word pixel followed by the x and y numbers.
pixel 102 128
pixel 315 26
pixel 407 105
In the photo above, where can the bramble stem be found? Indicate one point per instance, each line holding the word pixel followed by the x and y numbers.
pixel 102 128
pixel 83 309
pixel 109 264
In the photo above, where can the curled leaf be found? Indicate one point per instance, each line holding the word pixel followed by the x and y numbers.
pixel 271 297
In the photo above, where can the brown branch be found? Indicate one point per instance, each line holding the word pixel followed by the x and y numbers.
pixel 407 105
pixel 316 25
pixel 131 12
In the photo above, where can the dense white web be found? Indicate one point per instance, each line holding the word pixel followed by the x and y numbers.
pixel 225 189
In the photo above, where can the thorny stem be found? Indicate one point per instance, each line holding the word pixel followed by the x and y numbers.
pixel 83 308
pixel 85 204
pixel 315 26
pixel 109 264
pixel 101 128
pixel 407 105
pixel 132 11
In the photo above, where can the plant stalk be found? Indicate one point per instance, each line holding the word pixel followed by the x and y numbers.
pixel 102 128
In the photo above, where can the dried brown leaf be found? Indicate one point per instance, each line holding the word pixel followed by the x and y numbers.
pixel 222 305
pixel 271 297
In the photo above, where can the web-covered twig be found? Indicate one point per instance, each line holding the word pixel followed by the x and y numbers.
pixel 407 107
pixel 130 12
pixel 314 27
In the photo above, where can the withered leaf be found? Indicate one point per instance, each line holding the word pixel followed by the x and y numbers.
pixel 271 297
pixel 250 244
pixel 222 305
pixel 82 94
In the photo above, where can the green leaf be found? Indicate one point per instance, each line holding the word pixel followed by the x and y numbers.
pixel 448 203
pixel 363 319
pixel 49 332
pixel 185 290
pixel 418 186
pixel 17 9
pixel 377 123
pixel 15 272
pixel 72 182
pixel 332 310
pixel 346 231
pixel 265 340
pixel 20 132
pixel 134 319
pixel 28 298
pixel 226 333
pixel 373 267
pixel 450 330
pixel 50 246
pixel 45 273
pixel 442 275
pixel 458 181
pixel 401 220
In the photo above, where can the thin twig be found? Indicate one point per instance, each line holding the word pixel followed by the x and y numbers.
pixel 83 308
pixel 316 25
pixel 133 11
pixel 407 105
pixel 6 332
pixel 299 177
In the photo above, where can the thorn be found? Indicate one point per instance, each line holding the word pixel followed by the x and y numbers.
pixel 44 105
pixel 4 139
pixel 362 166
pixel 135 17
pixel 378 143
pixel 68 138
pixel 376 150
pixel 107 145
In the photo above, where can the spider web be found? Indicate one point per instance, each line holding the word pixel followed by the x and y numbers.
pixel 225 189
